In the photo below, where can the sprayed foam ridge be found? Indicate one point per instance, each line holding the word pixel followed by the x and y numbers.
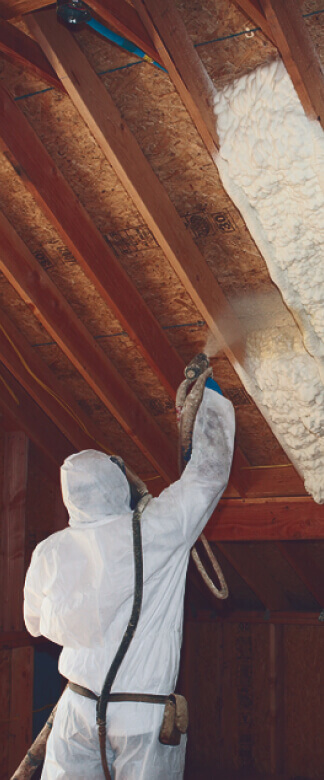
pixel 271 162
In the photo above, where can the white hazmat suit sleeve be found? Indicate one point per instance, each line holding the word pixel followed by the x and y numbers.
pixel 196 494
pixel 40 572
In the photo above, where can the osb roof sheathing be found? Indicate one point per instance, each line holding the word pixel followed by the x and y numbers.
pixel 156 115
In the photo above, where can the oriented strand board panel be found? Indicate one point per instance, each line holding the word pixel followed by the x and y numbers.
pixel 129 238
pixel 155 114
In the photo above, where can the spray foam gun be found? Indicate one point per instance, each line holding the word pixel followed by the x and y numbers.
pixel 197 371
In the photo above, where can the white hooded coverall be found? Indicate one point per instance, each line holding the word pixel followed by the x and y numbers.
pixel 79 594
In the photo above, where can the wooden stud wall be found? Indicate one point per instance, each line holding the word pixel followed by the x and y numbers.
pixel 255 700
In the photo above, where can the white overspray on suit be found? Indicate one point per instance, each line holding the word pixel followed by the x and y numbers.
pixel 79 593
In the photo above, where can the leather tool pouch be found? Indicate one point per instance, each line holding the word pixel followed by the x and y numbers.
pixel 175 720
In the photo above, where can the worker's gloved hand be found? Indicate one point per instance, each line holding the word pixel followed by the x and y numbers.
pixel 210 382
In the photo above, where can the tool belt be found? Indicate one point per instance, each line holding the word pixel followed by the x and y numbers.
pixel 175 716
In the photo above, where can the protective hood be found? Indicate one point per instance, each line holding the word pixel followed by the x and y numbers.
pixel 94 489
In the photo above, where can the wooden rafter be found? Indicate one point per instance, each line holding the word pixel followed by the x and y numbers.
pixel 123 152
pixel 305 567
pixel 22 50
pixel 78 231
pixel 27 416
pixel 256 575
pixel 49 392
pixel 9 9
pixel 125 20
pixel 184 66
pixel 292 38
pixel 51 308
pixel 266 520
pixel 253 9
pixel 12 533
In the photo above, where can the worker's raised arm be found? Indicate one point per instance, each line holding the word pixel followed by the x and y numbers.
pixel 193 498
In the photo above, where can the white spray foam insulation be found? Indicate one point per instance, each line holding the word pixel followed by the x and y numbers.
pixel 271 162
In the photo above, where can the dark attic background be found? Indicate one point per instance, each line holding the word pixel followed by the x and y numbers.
pixel 117 237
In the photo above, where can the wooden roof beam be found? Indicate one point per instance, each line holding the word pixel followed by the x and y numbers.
pixel 62 207
pixel 253 571
pixel 273 519
pixel 253 9
pixel 291 36
pixel 300 559
pixel 125 20
pixel 11 9
pixel 46 390
pixel 185 68
pixel 124 154
pixel 50 307
pixel 22 50
pixel 29 417
pixel 57 200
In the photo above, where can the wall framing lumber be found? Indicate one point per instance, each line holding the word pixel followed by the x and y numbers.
pixel 50 307
pixel 273 481
pixel 21 705
pixel 13 523
pixel 123 18
pixel 22 50
pixel 258 617
pixel 27 416
pixel 276 698
pixel 61 206
pixel 273 519
pixel 124 154
pixel 11 639
pixel 185 68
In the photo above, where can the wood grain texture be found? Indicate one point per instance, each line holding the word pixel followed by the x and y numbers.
pixel 123 152
pixel 51 308
pixel 298 53
pixel 21 705
pixel 266 519
pixel 13 530
pixel 27 416
pixel 22 50
pixel 185 68
pixel 78 231
pixel 125 20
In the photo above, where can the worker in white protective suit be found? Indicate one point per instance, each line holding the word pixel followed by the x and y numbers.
pixel 79 593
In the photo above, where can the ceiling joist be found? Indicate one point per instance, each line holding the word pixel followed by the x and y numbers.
pixel 185 68
pixel 62 207
pixel 53 311
pixel 46 390
pixel 125 20
pixel 27 416
pixel 266 520
pixel 20 49
pixel 124 154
